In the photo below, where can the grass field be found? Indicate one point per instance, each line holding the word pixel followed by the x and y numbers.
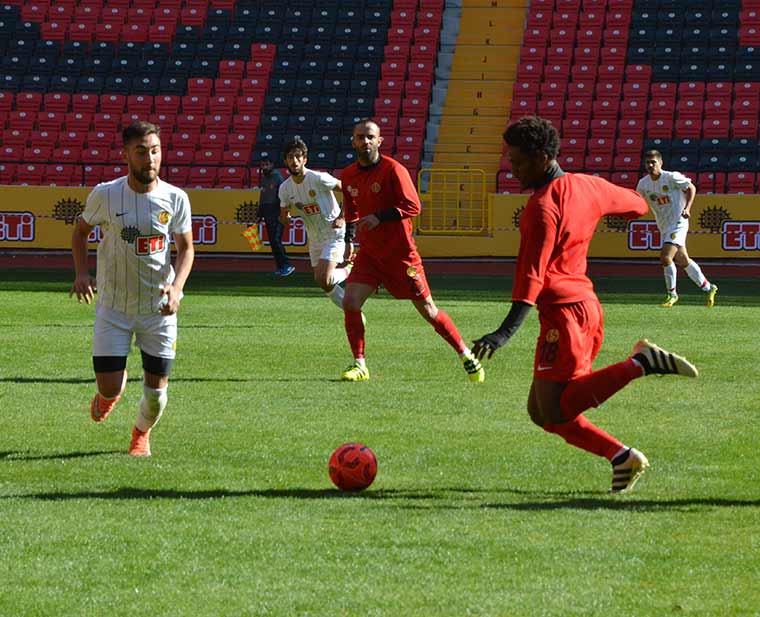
pixel 475 511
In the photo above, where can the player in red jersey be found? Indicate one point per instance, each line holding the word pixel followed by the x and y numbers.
pixel 556 228
pixel 380 197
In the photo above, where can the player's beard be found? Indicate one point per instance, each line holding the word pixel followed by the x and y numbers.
pixel 369 156
pixel 145 176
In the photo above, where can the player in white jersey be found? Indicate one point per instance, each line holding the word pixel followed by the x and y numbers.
pixel 309 194
pixel 670 196
pixel 138 290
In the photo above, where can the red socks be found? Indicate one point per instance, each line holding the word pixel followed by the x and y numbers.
pixel 355 332
pixel 582 434
pixel 448 331
pixel 593 389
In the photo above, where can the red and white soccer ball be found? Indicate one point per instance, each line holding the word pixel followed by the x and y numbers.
pixel 352 467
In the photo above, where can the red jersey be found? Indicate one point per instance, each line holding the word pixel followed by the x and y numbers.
pixel 386 184
pixel 556 228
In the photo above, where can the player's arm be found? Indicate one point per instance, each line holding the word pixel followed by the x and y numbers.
pixel 619 201
pixel 487 345
pixel 690 192
pixel 84 285
pixel 284 216
pixel 182 266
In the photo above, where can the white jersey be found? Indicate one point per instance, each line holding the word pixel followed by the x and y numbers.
pixel 314 201
pixel 134 255
pixel 665 197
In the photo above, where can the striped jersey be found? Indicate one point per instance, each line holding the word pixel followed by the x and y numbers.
pixel 314 201
pixel 134 254
pixel 665 197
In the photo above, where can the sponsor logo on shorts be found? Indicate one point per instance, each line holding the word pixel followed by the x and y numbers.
pixel 411 271
pixel 552 336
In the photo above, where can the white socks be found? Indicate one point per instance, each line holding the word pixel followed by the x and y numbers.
pixel 336 295
pixel 670 277
pixel 338 275
pixel 152 405
pixel 695 274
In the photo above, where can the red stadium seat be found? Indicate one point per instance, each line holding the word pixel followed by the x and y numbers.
pixel 232 178
pixel 660 127
pixel 688 127
pixel 50 121
pixel 202 177
pixel 8 173
pixel 57 101
pixel 93 174
pixel 178 175
pixel 61 175
pixel 627 162
pixel 22 120
pixel 67 154
pixel 10 153
pixel 744 127
pixel 38 153
pixel 194 104
pixel 15 137
pixel 30 173
pixel 741 182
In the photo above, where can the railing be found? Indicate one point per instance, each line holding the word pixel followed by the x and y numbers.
pixel 454 202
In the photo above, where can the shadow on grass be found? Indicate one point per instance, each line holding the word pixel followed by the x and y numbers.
pixel 130 493
pixel 22 456
pixel 76 380
pixel 425 499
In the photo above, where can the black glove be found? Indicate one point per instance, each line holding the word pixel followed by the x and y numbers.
pixel 489 344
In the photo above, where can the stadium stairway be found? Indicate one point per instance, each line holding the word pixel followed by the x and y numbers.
pixel 479 89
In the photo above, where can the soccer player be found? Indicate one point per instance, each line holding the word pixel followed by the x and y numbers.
pixel 269 209
pixel 670 195
pixel 556 228
pixel 138 291
pixel 379 195
pixel 309 194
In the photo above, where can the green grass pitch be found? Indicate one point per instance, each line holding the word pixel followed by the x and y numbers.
pixel 474 511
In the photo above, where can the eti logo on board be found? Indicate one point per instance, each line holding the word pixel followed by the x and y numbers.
pixel 644 236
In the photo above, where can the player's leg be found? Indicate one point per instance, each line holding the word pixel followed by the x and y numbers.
pixel 444 326
pixel 667 253
pixel 274 231
pixel 112 338
pixel 356 294
pixel 570 337
pixel 694 272
pixel 156 337
pixel 327 274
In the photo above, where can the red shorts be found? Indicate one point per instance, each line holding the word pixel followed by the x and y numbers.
pixel 403 278
pixel 570 338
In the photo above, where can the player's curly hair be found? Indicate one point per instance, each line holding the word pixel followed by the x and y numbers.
pixel 138 130
pixel 296 143
pixel 532 135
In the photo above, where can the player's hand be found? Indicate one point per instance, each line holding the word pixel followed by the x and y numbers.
pixel 348 254
pixel 486 346
pixel 686 213
pixel 367 223
pixel 169 302
pixel 339 222
pixel 84 287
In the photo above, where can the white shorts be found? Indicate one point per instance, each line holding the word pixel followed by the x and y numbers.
pixel 676 234
pixel 333 250
pixel 155 334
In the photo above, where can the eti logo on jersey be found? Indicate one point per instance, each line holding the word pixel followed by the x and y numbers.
pixel 149 245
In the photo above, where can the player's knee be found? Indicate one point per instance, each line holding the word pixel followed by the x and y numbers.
pixel 535 415
pixel 155 400
pixel 666 261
